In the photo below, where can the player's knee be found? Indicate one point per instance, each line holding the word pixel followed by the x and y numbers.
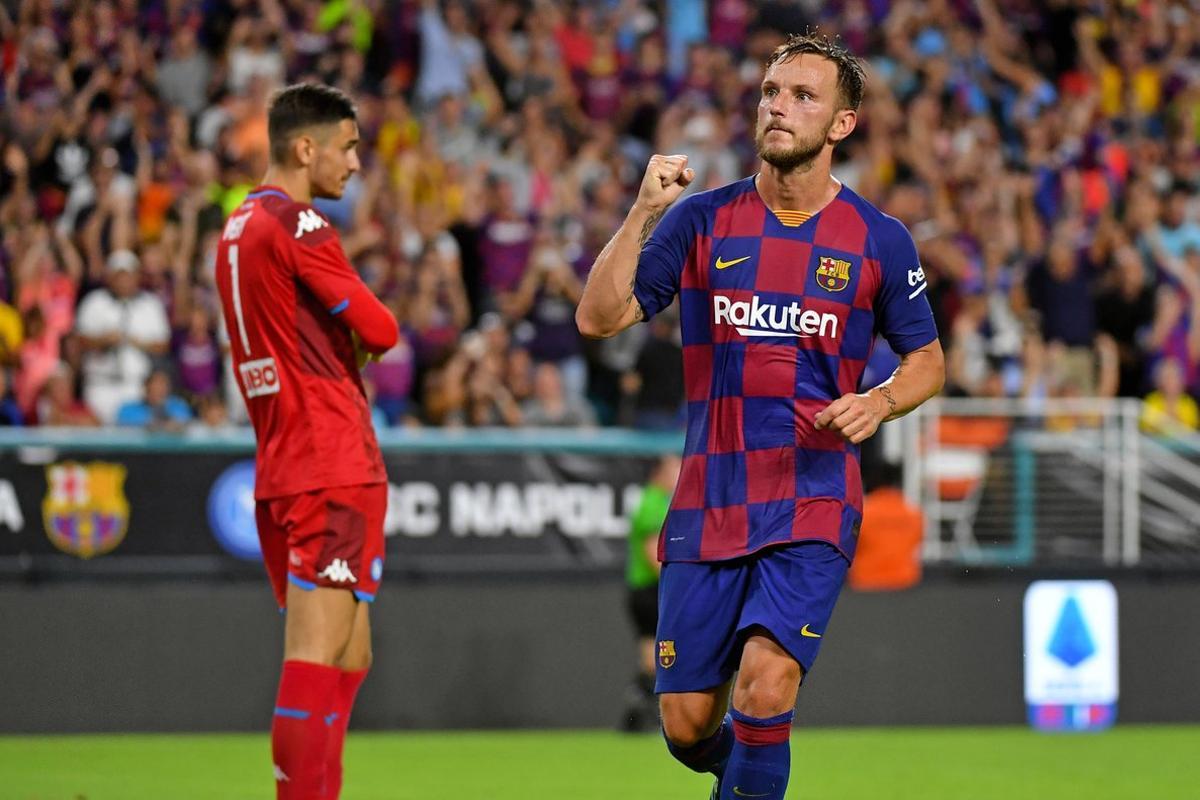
pixel 356 661
pixel 767 692
pixel 684 723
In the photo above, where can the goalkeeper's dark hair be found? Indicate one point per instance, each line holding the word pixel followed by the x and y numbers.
pixel 852 77
pixel 300 106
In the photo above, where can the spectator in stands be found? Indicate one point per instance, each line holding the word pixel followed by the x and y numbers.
pixel 1060 290
pixel 159 409
pixel 10 411
pixel 518 375
pixel 38 359
pixel 438 312
pixel 212 418
pixel 122 330
pixel 551 406
pixel 546 296
pixel 59 406
pixel 1125 311
pixel 183 76
pixel 889 541
pixel 1169 409
pixel 391 378
pixel 12 334
pixel 48 278
pixel 483 399
pixel 197 354
pixel 655 384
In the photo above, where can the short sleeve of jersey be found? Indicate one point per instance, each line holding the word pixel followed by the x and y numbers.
pixel 661 262
pixel 316 255
pixel 902 312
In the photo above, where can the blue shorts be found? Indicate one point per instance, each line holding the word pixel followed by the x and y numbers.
pixel 706 610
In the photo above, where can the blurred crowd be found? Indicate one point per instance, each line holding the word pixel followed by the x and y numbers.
pixel 1045 155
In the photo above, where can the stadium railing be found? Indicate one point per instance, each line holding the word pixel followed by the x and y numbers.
pixel 1070 482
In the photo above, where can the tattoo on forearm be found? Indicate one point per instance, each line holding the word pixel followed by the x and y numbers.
pixel 649 226
pixel 891 401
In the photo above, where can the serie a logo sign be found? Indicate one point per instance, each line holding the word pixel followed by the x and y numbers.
pixel 85 509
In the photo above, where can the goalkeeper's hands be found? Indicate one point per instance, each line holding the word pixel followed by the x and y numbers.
pixel 361 354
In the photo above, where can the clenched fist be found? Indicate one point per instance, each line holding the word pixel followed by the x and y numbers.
pixel 855 416
pixel 665 179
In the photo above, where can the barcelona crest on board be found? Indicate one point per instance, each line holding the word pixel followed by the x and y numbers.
pixel 85 509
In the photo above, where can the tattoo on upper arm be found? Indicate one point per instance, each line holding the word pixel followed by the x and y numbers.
pixel 638 313
pixel 891 401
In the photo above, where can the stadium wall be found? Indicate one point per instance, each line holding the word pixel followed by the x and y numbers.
pixel 493 652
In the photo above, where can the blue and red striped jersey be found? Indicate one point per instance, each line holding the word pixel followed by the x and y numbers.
pixel 778 317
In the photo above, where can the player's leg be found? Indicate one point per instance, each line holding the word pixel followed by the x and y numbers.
pixel 353 665
pixel 764 699
pixel 792 595
pixel 355 660
pixel 698 728
pixel 319 624
pixel 324 544
pixel 699 609
pixel 297 727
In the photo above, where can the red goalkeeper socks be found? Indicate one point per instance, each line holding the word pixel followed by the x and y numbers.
pixel 339 719
pixel 300 729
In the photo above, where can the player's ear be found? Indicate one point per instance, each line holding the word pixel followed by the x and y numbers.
pixel 844 120
pixel 305 149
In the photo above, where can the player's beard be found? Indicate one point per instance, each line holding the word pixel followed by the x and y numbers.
pixel 798 157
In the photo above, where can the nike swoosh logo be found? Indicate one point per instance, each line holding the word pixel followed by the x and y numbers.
pixel 726 264
pixel 740 793
pixel 806 632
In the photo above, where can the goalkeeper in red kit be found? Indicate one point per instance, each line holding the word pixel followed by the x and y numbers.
pixel 299 321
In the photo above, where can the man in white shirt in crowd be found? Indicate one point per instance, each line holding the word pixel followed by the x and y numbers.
pixel 122 329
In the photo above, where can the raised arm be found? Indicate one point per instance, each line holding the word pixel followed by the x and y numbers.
pixel 608 306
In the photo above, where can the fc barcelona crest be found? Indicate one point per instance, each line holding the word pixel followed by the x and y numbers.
pixel 85 510
pixel 833 274
pixel 666 653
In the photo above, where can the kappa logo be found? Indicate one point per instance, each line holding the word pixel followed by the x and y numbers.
pixel 308 221
pixel 338 571
pixel 666 653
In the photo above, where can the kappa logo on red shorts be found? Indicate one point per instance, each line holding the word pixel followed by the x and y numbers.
pixel 338 571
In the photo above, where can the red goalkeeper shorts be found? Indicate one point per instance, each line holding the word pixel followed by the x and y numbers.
pixel 326 537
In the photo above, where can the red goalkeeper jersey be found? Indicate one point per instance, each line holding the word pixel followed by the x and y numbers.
pixel 291 299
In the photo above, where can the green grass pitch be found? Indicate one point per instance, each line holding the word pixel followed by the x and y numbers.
pixel 1126 763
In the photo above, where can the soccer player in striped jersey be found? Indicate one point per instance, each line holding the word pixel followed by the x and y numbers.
pixel 300 321
pixel 783 280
